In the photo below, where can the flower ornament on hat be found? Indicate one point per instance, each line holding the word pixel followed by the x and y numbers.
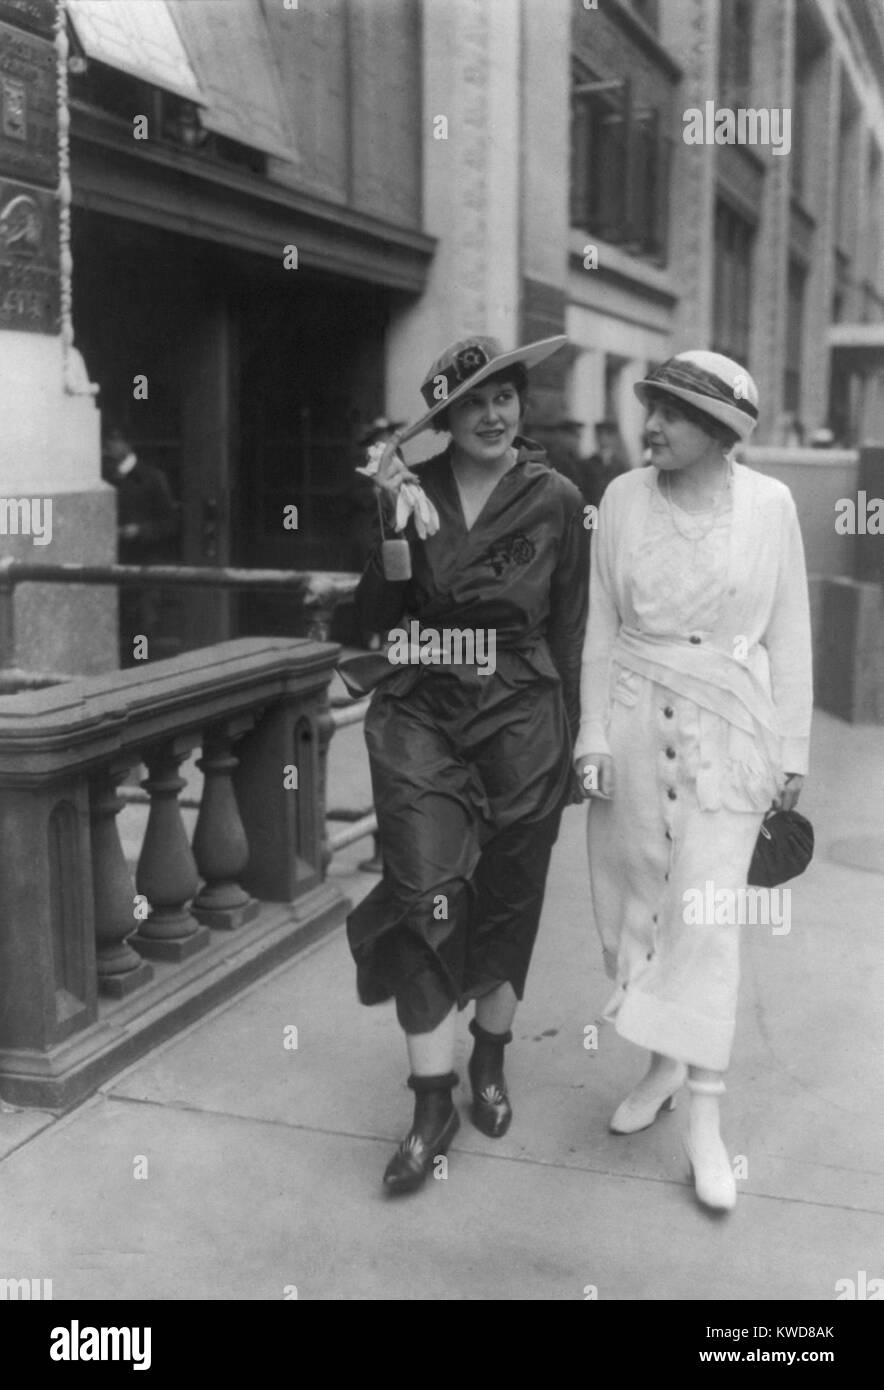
pixel 712 383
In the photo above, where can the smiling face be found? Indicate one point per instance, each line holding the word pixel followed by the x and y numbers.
pixel 675 442
pixel 484 422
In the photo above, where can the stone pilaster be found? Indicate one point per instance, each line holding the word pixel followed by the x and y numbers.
pixel 772 87
pixel 821 185
pixel 49 445
pixel 543 202
pixel 690 31
pixel 471 81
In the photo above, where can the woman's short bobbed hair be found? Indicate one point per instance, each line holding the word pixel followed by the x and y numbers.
pixel 716 429
pixel 515 375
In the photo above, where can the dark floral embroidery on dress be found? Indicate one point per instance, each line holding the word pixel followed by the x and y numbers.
pixel 510 550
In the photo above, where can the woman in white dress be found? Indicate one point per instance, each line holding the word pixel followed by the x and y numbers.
pixel 696 703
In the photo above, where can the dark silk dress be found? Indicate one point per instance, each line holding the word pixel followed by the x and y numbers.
pixel 470 772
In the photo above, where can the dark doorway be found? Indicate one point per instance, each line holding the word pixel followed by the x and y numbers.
pixel 259 381
pixel 311 376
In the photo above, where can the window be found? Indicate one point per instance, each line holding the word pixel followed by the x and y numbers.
pixel 840 286
pixel 619 166
pixel 733 283
pixel 871 305
pixel 801 114
pixel 735 53
pixel 171 119
pixel 848 173
pixel 794 336
pixel 810 48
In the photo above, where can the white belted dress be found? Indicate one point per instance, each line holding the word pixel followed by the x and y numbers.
pixel 697 680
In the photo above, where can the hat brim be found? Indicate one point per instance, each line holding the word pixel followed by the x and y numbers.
pixel 529 356
pixel 729 415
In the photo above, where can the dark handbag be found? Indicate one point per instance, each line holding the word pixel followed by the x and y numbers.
pixel 783 850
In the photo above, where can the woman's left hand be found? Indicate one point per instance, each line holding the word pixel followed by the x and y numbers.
pixel 789 792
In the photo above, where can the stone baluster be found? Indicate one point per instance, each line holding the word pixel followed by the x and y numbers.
pixel 319 614
pixel 325 727
pixel 120 969
pixel 375 863
pixel 167 873
pixel 219 843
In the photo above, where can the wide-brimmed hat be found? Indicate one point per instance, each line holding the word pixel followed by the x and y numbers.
pixel 467 364
pixel 712 383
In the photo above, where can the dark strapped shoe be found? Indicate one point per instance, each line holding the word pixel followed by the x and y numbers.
pixel 491 1111
pixel 435 1124
pixel 412 1161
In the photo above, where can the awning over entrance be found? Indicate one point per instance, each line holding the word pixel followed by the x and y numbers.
pixel 141 40
pixel 217 56
pixel 229 47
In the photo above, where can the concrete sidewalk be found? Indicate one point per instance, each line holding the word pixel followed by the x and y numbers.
pixel 263 1163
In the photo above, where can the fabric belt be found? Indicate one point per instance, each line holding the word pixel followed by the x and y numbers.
pixel 711 678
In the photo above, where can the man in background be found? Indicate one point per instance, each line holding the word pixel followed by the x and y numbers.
pixel 562 443
pixel 592 475
pixel 147 524
pixel 147 516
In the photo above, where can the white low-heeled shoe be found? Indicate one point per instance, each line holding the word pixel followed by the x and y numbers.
pixel 714 1181
pixel 642 1106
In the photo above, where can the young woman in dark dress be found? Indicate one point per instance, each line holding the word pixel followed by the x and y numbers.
pixel 470 766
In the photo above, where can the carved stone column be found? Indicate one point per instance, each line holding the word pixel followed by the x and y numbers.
pixel 167 873
pixel 219 843
pixel 325 727
pixel 120 969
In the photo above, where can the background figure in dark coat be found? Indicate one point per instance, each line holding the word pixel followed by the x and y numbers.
pixel 592 475
pixel 562 443
pixel 147 524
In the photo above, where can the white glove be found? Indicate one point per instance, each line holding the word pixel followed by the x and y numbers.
pixel 410 498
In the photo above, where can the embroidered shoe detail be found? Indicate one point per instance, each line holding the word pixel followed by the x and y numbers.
pixel 493 1095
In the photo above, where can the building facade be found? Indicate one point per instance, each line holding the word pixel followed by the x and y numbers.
pixel 260 222
pixel 772 255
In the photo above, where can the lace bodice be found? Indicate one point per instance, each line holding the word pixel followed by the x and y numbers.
pixel 679 568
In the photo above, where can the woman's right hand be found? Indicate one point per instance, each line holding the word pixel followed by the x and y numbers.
pixel 393 470
pixel 595 772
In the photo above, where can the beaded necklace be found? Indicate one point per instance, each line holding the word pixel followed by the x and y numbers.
pixel 717 508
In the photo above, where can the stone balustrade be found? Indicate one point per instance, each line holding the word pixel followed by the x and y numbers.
pixel 95 968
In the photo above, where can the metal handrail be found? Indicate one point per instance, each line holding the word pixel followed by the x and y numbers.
pixel 319 590
pixel 321 583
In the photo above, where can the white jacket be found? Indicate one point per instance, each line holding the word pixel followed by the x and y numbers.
pixel 764 614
